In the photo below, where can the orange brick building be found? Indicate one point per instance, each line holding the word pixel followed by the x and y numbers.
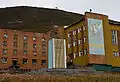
pixel 26 49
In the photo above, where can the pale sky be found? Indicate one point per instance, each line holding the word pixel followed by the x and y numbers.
pixel 107 7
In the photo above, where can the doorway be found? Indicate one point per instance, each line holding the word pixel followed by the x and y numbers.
pixel 15 63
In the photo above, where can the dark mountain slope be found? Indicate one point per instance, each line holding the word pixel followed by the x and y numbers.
pixel 34 18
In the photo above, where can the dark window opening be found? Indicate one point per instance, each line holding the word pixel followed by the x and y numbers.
pixel 25 61
pixel 43 62
pixel 4 43
pixel 34 61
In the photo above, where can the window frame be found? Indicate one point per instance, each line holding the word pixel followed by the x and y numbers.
pixel 14 52
pixel 4 60
pixel 24 62
pixel 4 51
pixel 114 37
pixel 25 51
pixel 35 61
pixel 5 35
pixel 26 37
pixel 116 54
pixel 80 53
pixel 4 43
pixel 43 63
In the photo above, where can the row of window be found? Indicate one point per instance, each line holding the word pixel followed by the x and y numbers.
pixel 24 61
pixel 80 53
pixel 114 35
pixel 25 37
pixel 25 44
pixel 75 42
pixel 77 30
pixel 25 52
pixel 116 54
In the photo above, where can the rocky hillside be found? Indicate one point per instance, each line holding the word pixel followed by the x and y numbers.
pixel 34 18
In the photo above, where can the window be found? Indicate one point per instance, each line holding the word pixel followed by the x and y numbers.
pixel 25 37
pixel 4 60
pixel 15 31
pixel 43 62
pixel 116 54
pixel 25 61
pixel 44 53
pixel 84 39
pixel 69 34
pixel 43 42
pixel 34 61
pixel 5 35
pixel 84 28
pixel 35 52
pixel 15 37
pixel 34 45
pixel 15 44
pixel 114 37
pixel 14 52
pixel 69 45
pixel 4 51
pixel 25 45
pixel 85 52
pixel 25 52
pixel 79 30
pixel 74 55
pixel 4 43
pixel 43 39
pixel 74 43
pixel 80 41
pixel 80 53
pixel 34 38
pixel 74 32
pixel 43 46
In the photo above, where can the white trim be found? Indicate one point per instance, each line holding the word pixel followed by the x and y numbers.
pixel 65 53
pixel 53 53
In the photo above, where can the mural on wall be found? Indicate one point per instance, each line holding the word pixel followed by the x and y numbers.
pixel 95 36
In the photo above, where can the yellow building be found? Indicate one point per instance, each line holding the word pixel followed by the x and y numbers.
pixel 94 39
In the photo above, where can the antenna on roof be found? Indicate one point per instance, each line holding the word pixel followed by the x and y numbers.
pixel 90 10
pixel 56 7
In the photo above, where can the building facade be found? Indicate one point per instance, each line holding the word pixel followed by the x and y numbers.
pixel 93 40
pixel 26 49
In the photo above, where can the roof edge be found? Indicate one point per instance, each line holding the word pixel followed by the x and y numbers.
pixel 82 18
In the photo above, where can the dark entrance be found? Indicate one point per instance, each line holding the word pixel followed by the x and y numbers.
pixel 15 63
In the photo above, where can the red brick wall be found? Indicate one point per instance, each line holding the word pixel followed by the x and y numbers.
pixel 20 49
